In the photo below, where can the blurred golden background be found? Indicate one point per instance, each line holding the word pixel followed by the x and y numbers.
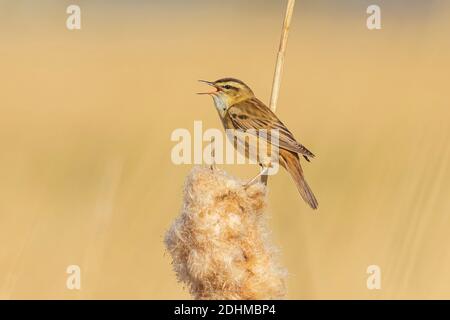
pixel 86 116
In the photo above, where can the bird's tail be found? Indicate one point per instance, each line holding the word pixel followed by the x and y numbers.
pixel 292 164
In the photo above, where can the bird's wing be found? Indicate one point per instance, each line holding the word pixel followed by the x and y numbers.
pixel 253 114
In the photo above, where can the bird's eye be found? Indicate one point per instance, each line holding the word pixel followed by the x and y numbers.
pixel 228 87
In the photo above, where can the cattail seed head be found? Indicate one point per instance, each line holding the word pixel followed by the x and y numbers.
pixel 220 242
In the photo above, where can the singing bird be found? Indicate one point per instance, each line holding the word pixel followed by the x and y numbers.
pixel 239 109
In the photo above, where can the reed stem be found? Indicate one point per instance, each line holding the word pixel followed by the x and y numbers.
pixel 280 63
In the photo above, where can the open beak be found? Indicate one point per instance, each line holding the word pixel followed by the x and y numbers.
pixel 210 84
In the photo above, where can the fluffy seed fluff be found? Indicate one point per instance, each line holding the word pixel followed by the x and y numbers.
pixel 220 243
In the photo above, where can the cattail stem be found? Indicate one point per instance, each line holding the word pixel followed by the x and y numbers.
pixel 280 63
pixel 280 57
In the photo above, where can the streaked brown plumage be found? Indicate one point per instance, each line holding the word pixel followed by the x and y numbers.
pixel 239 109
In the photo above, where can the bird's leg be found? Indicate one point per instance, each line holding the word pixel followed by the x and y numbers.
pixel 264 172
pixel 261 173
pixel 264 177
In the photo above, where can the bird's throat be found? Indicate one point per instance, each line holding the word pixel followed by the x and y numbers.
pixel 220 104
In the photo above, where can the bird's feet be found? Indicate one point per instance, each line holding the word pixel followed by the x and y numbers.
pixel 255 178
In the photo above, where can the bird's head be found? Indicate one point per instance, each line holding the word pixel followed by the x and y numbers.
pixel 229 91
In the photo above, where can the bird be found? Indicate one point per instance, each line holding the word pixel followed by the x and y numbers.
pixel 239 109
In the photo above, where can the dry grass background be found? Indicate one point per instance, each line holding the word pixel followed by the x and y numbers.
pixel 85 122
